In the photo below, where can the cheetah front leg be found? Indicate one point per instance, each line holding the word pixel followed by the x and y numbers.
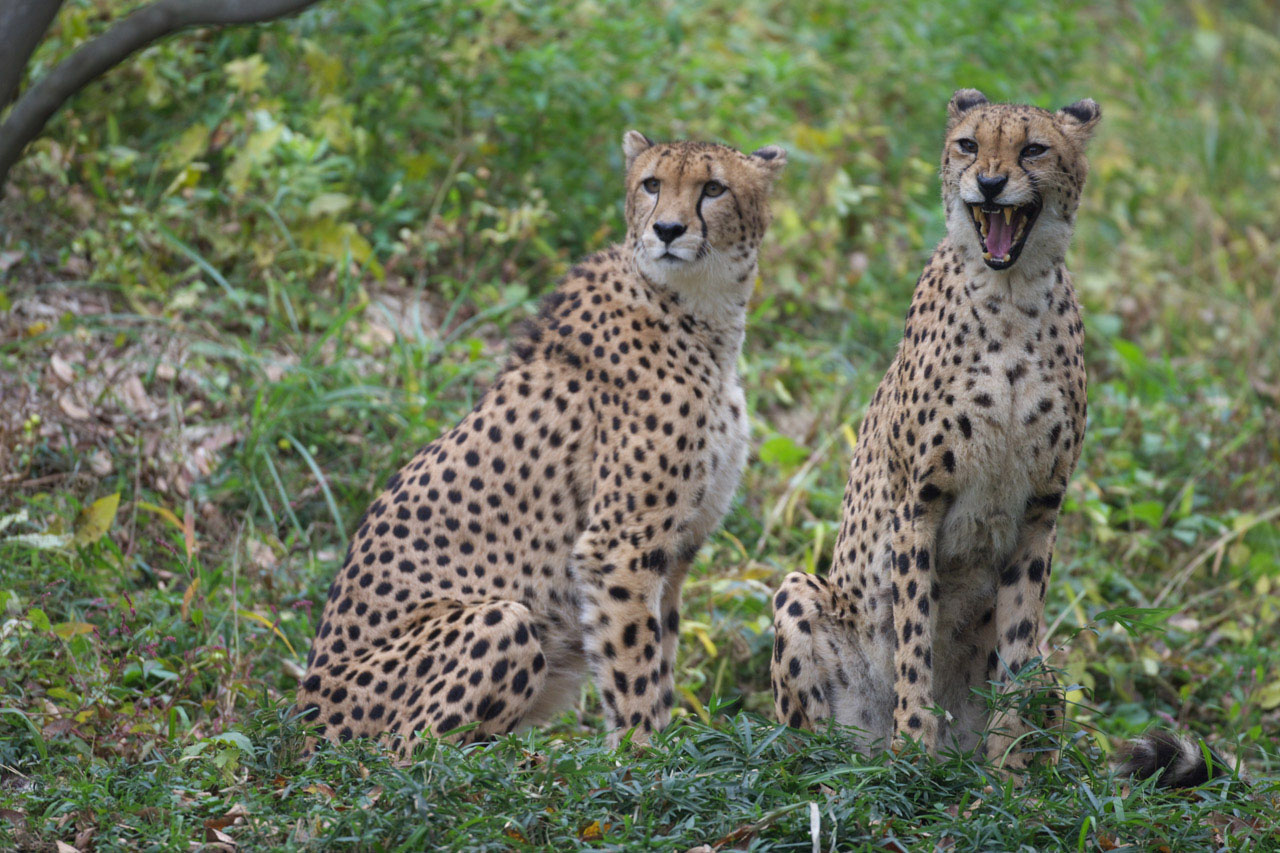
pixel 1019 610
pixel 800 674
pixel 622 588
pixel 670 611
pixel 911 563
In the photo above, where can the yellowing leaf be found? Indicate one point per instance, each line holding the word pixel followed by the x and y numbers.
pixel 166 514
pixel 695 703
pixel 187 596
pixel 326 69
pixel 705 639
pixel 593 831
pixel 67 630
pixel 1269 696
pixel 94 521
pixel 190 145
pixel 327 204
pixel 247 74
pixel 258 617
pixel 255 149
pixel 850 436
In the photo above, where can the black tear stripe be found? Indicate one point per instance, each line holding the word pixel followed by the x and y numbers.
pixel 652 213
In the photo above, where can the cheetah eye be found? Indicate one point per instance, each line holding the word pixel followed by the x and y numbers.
pixel 1034 150
pixel 968 145
pixel 713 188
pixel 651 185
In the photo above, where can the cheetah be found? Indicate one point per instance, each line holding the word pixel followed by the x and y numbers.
pixel 549 532
pixel 938 578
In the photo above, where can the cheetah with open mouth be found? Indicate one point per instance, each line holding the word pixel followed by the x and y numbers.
pixel 944 551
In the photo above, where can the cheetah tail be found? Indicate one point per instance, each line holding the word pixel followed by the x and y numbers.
pixel 1182 762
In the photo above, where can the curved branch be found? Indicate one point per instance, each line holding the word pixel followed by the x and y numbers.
pixel 47 95
pixel 24 23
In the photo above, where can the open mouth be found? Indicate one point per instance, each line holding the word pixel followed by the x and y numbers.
pixel 1003 230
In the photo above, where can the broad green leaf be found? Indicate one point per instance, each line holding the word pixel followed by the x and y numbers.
pixel 782 451
pixel 1148 512
pixel 1137 620
pixel 1130 352
pixel 38 619
pixel 237 739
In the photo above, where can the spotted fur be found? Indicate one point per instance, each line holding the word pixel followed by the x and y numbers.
pixel 548 534
pixel 945 546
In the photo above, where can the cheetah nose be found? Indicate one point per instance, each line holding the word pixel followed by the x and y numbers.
pixel 991 185
pixel 668 231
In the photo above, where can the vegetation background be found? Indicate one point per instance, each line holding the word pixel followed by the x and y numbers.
pixel 247 273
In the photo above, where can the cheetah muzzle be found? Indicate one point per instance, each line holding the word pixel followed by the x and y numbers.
pixel 1003 230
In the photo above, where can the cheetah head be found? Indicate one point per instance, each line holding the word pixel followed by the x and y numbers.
pixel 1012 175
pixel 696 212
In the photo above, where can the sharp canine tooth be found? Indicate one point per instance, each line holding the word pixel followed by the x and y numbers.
pixel 1005 259
pixel 1008 215
pixel 986 256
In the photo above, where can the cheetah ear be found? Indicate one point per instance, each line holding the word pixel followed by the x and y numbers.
pixel 962 101
pixel 771 159
pixel 634 143
pixel 1079 119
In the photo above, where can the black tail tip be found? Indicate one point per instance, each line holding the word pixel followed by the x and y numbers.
pixel 1181 762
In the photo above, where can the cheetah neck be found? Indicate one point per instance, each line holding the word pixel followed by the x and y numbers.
pixel 1025 285
pixel 715 303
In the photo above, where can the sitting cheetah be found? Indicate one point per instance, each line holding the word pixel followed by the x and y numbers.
pixel 551 530
pixel 943 555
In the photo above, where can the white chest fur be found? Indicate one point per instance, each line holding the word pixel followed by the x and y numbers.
pixel 1002 392
pixel 724 456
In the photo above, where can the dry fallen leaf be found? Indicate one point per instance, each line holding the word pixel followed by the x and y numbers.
pixel 320 788
pixel 72 409
pixel 62 369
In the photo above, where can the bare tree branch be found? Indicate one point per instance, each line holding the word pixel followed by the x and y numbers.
pixel 47 95
pixel 22 24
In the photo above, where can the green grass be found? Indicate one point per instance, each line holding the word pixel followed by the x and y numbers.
pixel 248 273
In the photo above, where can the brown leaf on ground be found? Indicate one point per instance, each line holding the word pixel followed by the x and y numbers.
pixel 95 391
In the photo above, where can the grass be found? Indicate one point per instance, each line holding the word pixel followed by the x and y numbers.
pixel 245 276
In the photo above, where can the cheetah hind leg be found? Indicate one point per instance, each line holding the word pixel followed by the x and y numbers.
pixel 452 664
pixel 820 670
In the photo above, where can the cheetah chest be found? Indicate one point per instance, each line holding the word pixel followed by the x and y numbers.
pixel 1005 406
pixel 722 458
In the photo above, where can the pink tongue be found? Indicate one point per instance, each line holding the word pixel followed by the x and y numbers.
pixel 999 236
